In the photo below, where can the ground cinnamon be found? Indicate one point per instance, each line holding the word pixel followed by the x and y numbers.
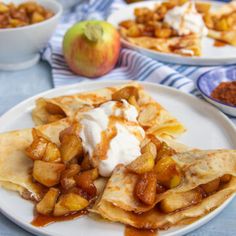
pixel 225 92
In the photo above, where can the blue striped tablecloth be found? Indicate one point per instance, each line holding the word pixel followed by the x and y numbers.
pixel 131 65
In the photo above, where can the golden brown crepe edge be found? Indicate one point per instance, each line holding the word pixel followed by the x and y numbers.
pixel 12 146
pixel 156 220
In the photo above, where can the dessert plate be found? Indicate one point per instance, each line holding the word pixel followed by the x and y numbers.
pixel 211 55
pixel 207 128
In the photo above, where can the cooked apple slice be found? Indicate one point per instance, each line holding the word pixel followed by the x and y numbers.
pixel 52 153
pixel 42 148
pixel 37 148
pixel 145 188
pixel 177 201
pixel 71 146
pixel 47 173
pixel 127 23
pixel 155 140
pixel 93 173
pixel 211 187
pixel 165 150
pixel 142 164
pixel 67 176
pixel 69 203
pixel 46 205
pixel 68 183
pixel 168 173
pixel 85 164
pixel 225 178
pixel 85 181
pixel 72 170
pixel 150 147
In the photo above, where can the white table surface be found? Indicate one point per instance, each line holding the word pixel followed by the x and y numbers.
pixel 17 86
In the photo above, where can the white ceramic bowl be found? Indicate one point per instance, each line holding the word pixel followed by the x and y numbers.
pixel 19 47
pixel 210 80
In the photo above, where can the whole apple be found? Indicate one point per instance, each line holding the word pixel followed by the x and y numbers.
pixel 91 48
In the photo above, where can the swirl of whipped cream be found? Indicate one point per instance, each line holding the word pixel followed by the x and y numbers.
pixel 106 149
pixel 186 20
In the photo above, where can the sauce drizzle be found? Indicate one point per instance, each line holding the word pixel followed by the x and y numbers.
pixel 218 43
pixel 131 231
pixel 42 220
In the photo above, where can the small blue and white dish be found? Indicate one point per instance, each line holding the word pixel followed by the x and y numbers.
pixel 210 80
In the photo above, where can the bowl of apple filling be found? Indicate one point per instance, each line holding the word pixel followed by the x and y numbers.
pixel 25 28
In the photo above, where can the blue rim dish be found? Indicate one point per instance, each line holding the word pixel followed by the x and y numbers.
pixel 208 81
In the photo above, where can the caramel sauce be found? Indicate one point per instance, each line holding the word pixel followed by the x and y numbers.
pixel 131 231
pixel 118 104
pixel 121 120
pixel 218 43
pixel 182 21
pixel 108 134
pixel 42 220
pixel 103 146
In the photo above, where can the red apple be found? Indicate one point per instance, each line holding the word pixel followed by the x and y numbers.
pixel 91 48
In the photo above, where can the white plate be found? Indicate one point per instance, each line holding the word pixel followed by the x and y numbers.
pixel 211 55
pixel 206 128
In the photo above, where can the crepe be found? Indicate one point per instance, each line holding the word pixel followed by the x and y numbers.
pixel 225 36
pixel 155 219
pixel 198 167
pixel 162 122
pixel 226 9
pixel 15 166
pixel 228 36
pixel 189 45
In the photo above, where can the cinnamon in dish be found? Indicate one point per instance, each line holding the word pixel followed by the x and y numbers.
pixel 225 92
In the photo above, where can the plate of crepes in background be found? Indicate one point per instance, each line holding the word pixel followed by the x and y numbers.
pixel 180 31
pixel 115 158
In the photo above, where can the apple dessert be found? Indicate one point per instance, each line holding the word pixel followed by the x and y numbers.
pixel 113 152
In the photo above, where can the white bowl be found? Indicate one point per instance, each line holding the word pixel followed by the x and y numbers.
pixel 210 80
pixel 19 47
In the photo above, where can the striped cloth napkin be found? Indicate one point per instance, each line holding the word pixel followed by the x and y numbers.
pixel 131 65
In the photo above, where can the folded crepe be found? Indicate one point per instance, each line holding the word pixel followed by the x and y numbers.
pixel 226 9
pixel 189 45
pixel 15 166
pixel 225 36
pixel 159 122
pixel 119 204
pixel 228 36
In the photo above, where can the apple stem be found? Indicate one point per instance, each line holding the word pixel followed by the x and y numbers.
pixel 93 32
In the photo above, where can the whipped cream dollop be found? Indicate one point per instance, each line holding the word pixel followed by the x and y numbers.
pixel 186 20
pixel 124 147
